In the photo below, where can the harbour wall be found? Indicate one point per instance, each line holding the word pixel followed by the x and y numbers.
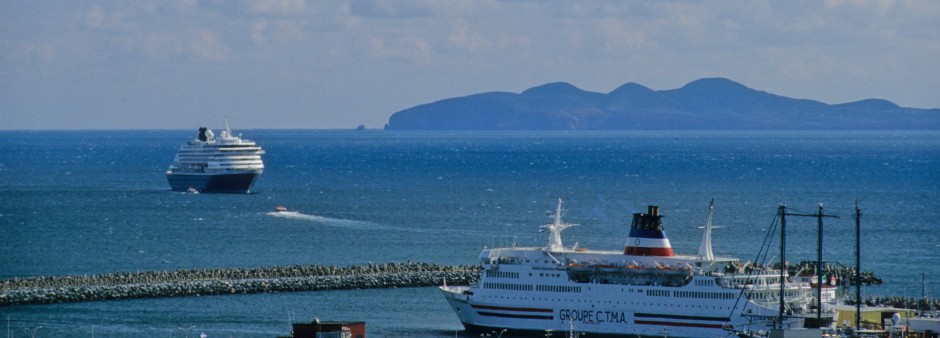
pixel 197 282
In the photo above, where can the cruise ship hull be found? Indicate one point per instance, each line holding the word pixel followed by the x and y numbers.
pixel 213 183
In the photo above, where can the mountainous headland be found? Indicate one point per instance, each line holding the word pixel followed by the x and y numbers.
pixel 705 104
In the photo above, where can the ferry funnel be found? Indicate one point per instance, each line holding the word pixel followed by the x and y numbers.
pixel 647 237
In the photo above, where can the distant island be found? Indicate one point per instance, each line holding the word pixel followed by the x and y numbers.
pixel 705 104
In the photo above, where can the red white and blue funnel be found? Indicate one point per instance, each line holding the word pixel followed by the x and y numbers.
pixel 647 237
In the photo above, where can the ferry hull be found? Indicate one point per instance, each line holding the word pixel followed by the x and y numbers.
pixel 537 322
pixel 213 183
pixel 589 318
pixel 558 290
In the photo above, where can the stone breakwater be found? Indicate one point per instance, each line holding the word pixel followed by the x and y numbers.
pixel 199 282
pixel 844 275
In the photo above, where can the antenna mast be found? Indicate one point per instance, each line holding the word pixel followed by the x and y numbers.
pixel 555 228
pixel 705 249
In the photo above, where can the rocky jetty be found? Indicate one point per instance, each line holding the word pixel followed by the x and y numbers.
pixel 844 275
pixel 199 282
pixel 923 304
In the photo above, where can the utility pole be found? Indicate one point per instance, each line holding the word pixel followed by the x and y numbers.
pixel 858 266
pixel 783 259
pixel 819 261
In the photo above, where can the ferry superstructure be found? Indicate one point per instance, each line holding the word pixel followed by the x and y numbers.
pixel 644 290
pixel 207 163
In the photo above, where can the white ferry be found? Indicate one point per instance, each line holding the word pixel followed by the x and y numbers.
pixel 226 163
pixel 644 290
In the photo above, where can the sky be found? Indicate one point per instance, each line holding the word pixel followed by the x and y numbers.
pixel 179 64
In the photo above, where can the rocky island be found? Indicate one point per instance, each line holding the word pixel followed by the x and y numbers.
pixel 705 104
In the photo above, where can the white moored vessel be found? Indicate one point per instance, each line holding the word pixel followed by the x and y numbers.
pixel 644 290
pixel 226 163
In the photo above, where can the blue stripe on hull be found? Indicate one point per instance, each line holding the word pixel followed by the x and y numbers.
pixel 224 183
pixel 513 315
pixel 669 316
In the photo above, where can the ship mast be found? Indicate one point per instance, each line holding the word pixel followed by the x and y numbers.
pixel 705 249
pixel 554 230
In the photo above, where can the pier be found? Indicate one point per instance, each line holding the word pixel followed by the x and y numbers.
pixel 200 282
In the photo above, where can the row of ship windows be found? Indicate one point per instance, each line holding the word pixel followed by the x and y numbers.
pixel 505 274
pixel 557 288
pixel 690 294
pixel 220 165
pixel 513 260
pixel 658 293
pixel 508 286
pixel 684 306
pixel 227 162
pixel 700 282
pixel 772 295
pixel 219 158
pixel 215 155
pixel 707 295
pixel 560 288
pixel 526 287
pixel 501 274
pixel 204 152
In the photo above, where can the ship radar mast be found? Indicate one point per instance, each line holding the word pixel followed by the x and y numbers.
pixel 705 249
pixel 227 132
pixel 554 230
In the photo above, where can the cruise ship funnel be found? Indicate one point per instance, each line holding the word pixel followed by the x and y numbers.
pixel 647 237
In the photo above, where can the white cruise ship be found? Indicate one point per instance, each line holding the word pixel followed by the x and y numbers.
pixel 643 290
pixel 226 163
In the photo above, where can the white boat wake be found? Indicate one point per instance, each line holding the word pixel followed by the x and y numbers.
pixel 346 223
pixel 353 224
pixel 335 222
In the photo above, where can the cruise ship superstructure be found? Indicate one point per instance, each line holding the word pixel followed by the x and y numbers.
pixel 644 290
pixel 207 163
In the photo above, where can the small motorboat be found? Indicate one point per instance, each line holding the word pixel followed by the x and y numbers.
pixel 192 190
pixel 280 208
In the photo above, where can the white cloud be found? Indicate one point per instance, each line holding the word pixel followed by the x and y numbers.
pixel 95 17
pixel 619 37
pixel 207 46
pixel 162 46
pixel 258 31
pixel 462 37
pixel 405 48
pixel 32 52
pixel 279 7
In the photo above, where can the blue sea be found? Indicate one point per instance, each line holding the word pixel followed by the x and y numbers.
pixel 86 202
